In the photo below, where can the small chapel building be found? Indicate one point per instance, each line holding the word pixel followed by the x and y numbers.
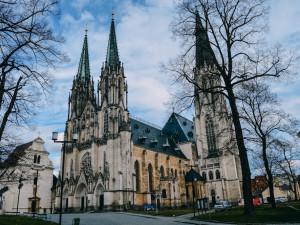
pixel 22 187
pixel 121 161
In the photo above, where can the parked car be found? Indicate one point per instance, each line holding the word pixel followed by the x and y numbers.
pixel 148 207
pixel 280 199
pixel 223 205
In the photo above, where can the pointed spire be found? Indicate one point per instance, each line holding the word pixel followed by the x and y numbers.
pixel 83 74
pixel 203 48
pixel 112 56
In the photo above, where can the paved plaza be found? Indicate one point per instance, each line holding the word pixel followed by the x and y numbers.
pixel 118 218
pixel 122 218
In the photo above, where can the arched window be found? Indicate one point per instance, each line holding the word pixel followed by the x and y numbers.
pixel 137 176
pixel 120 91
pixel 171 172
pixel 211 175
pixel 106 86
pixel 218 176
pixel 175 173
pixel 120 118
pixel 210 135
pixel 39 159
pixel 204 175
pixel 71 167
pixel 150 178
pixel 106 122
pixel 162 174
pixel 34 160
pixel 164 193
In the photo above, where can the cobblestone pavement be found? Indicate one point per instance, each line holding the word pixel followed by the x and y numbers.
pixel 122 218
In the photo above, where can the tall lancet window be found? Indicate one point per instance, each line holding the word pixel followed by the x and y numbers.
pixel 106 122
pixel 210 134
pixel 137 175
pixel 120 118
pixel 150 177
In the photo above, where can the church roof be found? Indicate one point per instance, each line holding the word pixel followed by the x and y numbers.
pixel 193 175
pixel 15 155
pixel 112 56
pixel 83 74
pixel 180 128
pixel 151 137
pixel 203 48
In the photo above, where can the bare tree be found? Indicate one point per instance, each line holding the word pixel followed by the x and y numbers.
pixel 234 54
pixel 263 122
pixel 287 161
pixel 28 49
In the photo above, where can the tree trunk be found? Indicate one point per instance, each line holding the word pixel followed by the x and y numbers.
pixel 269 173
pixel 246 174
pixel 10 107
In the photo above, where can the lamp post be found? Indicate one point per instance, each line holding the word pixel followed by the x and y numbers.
pixel 54 138
pixel 36 181
pixel 19 187
pixel 196 165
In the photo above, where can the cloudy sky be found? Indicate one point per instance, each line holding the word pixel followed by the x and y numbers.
pixel 144 42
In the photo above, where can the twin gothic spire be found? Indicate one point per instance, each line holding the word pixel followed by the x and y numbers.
pixel 83 74
pixel 112 56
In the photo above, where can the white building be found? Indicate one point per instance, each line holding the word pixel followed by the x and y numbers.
pixel 27 154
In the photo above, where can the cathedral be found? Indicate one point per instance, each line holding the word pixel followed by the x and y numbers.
pixel 120 161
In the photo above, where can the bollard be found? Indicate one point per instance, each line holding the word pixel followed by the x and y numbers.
pixel 76 221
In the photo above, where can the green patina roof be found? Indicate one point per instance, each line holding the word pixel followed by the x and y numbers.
pixel 112 56
pixel 84 65
pixel 203 48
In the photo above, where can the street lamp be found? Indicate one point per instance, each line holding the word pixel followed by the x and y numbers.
pixel 36 181
pixel 196 165
pixel 54 138
pixel 19 187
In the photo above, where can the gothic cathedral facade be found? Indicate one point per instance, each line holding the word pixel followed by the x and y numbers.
pixel 120 161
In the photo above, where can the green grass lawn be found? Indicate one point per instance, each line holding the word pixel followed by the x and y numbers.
pixel 264 214
pixel 22 220
pixel 167 212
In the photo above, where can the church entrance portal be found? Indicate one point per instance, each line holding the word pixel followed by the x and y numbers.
pixel 67 204
pixel 101 202
pixel 82 204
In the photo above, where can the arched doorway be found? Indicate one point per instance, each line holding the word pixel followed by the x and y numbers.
pixel 65 200
pixel 100 196
pixel 81 196
pixel 213 196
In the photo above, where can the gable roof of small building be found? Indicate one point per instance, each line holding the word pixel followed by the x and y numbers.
pixel 193 175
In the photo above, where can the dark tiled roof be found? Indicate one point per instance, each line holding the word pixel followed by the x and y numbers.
pixel 150 137
pixel 180 128
pixel 15 155
pixel 192 175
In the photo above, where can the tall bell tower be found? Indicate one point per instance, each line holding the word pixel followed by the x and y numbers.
pixel 217 152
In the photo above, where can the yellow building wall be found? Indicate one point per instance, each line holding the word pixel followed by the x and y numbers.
pixel 173 181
